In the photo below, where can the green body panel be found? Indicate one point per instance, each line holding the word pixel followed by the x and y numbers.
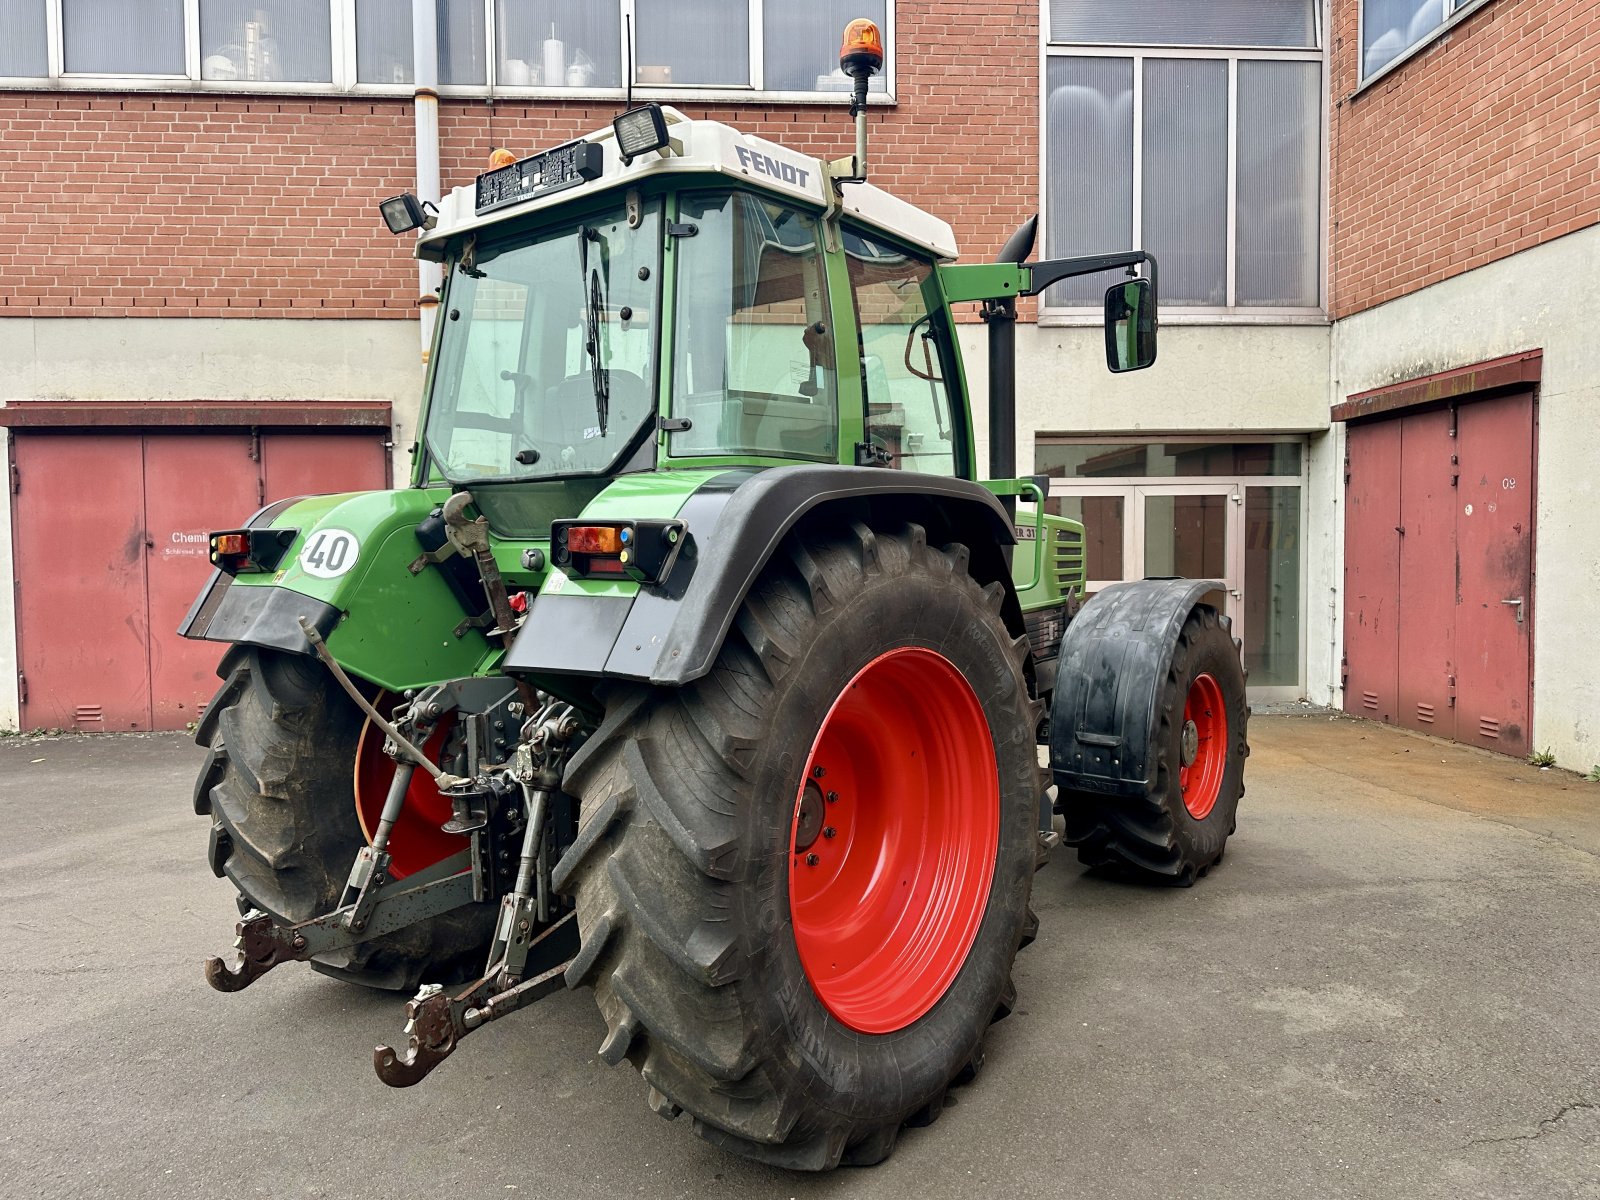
pixel 1058 551
pixel 965 283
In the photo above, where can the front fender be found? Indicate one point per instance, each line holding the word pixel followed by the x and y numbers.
pixel 1112 667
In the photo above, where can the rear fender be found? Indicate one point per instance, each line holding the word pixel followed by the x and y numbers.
pixel 1113 663
pixel 381 621
pixel 670 633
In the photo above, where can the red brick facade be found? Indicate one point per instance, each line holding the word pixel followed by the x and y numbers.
pixel 1486 143
pixel 224 206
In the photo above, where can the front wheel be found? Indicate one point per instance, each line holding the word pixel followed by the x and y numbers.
pixel 801 880
pixel 1176 828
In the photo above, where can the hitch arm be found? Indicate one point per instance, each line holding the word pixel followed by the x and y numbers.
pixel 437 1021
pixel 263 943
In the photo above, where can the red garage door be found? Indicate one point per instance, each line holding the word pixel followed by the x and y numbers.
pixel 1439 571
pixel 109 532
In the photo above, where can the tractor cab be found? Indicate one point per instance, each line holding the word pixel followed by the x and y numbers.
pixel 610 309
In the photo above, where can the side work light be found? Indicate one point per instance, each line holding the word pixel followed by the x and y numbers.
pixel 402 213
pixel 640 130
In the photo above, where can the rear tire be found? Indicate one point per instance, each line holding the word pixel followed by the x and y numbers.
pixel 278 785
pixel 689 829
pixel 1177 829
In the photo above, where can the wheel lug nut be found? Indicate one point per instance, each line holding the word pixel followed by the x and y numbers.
pixel 830 831
pixel 812 860
pixel 833 797
pixel 818 772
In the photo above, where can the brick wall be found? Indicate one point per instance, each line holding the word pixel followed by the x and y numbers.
pixel 1484 144
pixel 208 205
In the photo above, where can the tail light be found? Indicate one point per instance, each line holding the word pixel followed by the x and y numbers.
pixel 643 551
pixel 250 551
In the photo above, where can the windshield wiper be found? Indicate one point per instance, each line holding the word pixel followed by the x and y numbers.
pixel 600 375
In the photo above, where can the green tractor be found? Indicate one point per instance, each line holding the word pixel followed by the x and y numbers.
pixel 696 666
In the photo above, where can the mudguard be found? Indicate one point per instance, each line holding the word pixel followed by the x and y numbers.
pixel 670 633
pixel 1114 660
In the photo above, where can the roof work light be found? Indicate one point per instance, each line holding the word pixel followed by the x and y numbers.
pixel 403 212
pixel 640 130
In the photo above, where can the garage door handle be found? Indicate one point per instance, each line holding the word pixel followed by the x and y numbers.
pixel 1517 604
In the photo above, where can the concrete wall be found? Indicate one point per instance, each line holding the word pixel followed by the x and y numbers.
pixel 153 358
pixel 1544 298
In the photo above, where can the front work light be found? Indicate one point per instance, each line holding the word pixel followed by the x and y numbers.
pixel 403 212
pixel 640 130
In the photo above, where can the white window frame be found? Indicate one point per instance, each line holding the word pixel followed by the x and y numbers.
pixel 1452 13
pixel 1133 489
pixel 1229 313
pixel 342 24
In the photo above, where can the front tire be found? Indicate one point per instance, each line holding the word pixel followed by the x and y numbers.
pixel 1177 829
pixel 710 962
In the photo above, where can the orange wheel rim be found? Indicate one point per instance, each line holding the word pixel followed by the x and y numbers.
pixel 417 841
pixel 893 840
pixel 1203 745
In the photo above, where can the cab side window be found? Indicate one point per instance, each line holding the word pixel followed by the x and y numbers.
pixel 904 348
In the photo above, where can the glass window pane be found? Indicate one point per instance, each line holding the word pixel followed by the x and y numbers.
pixel 22 49
pixel 1284 24
pixel 123 37
pixel 749 371
pixel 802 44
pixel 1166 460
pixel 1390 27
pixel 383 41
pixel 682 42
pixel 1280 183
pixel 1089 149
pixel 265 41
pixel 1272 585
pixel 903 344
pixel 1186 178
pixel 1102 519
pixel 555 43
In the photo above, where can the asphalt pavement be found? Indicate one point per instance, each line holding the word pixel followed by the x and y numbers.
pixel 1389 988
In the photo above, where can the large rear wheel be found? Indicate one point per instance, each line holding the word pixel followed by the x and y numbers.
pixel 279 786
pixel 801 880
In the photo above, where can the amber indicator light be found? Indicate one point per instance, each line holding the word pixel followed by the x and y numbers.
pixel 862 44
pixel 230 543
pixel 500 157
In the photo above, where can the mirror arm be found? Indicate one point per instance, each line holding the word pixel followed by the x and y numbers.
pixel 1042 275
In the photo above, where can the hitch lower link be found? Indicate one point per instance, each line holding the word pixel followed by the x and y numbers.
pixel 437 1020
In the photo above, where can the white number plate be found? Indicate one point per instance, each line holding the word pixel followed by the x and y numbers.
pixel 329 553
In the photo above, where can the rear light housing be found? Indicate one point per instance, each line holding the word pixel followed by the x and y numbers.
pixel 250 551
pixel 643 551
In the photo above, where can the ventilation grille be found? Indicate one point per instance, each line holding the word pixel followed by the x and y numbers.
pixel 1425 713
pixel 1489 728
pixel 1369 700
pixel 88 714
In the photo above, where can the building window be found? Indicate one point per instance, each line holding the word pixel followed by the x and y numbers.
pixel 266 41
pixel 1197 138
pixel 24 49
pixel 714 49
pixel 384 52
pixel 1391 28
pixel 122 37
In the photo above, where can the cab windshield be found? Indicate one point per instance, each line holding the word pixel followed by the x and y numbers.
pixel 547 355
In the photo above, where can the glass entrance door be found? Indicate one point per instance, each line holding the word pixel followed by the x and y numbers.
pixel 1190 531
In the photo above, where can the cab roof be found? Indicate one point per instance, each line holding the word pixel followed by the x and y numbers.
pixel 708 148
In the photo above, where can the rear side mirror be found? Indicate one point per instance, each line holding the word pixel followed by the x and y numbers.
pixel 1130 326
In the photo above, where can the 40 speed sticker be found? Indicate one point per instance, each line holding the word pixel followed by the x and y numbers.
pixel 329 553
